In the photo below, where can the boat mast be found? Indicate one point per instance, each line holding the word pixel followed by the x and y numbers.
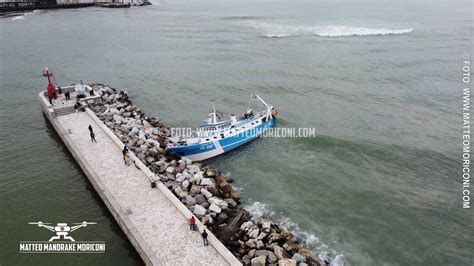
pixel 214 117
pixel 250 102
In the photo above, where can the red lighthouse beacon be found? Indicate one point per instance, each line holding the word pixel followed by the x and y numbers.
pixel 51 90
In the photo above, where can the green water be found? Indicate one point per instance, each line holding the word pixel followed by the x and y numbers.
pixel 378 185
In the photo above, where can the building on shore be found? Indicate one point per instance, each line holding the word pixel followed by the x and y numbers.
pixel 19 5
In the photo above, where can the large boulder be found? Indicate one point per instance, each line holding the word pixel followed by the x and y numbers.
pixel 222 217
pixel 134 131
pixel 225 187
pixel 215 208
pixel 219 202
pixel 206 181
pixel 235 194
pixel 170 170
pixel 206 193
pixel 185 184
pixel 181 194
pixel 272 258
pixel 275 237
pixel 279 252
pixel 250 243
pixel 190 200
pixel 286 262
pixel 193 169
pixel 231 202
pixel 200 199
pixel 253 233
pixel 266 225
pixel 179 177
pixel 261 252
pixel 308 253
pixel 187 161
pixel 211 173
pixel 247 225
pixel 298 257
pixel 187 175
pixel 199 210
pixel 258 261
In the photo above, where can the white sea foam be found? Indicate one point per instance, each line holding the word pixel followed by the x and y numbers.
pixel 18 17
pixel 280 31
pixel 258 210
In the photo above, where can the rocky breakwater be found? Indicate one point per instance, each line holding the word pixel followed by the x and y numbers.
pixel 207 193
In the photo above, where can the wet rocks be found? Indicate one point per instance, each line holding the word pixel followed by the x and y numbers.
pixel 298 257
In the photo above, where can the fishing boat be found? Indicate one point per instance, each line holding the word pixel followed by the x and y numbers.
pixel 220 134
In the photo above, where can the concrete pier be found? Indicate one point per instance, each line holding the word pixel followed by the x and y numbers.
pixel 153 219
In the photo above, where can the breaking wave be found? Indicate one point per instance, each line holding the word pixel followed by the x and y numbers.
pixel 244 18
pixel 18 17
pixel 258 210
pixel 23 16
pixel 280 31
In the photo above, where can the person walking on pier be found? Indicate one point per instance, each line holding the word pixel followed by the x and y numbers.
pixel 126 158
pixel 192 224
pixel 204 238
pixel 93 137
pixel 124 150
pixel 91 129
pixel 67 95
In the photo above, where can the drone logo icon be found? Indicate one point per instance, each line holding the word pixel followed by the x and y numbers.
pixel 62 230
pixel 61 241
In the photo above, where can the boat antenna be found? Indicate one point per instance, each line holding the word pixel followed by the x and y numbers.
pixel 250 102
pixel 214 118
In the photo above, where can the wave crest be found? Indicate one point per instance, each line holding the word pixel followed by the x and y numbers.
pixel 18 17
pixel 280 31
pixel 23 16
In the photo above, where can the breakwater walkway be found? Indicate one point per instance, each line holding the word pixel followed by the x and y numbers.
pixel 152 218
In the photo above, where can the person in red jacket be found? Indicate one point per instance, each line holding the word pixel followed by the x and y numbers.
pixel 192 224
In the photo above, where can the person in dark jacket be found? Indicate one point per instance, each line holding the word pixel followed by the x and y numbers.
pixel 204 238
pixel 93 137
pixel 126 158
pixel 124 150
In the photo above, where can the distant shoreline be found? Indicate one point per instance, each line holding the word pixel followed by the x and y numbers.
pixel 35 7
pixel 10 6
